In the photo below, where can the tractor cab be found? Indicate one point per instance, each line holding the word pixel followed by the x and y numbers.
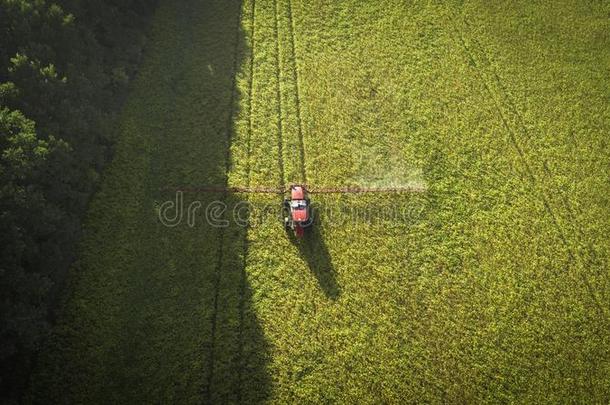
pixel 297 214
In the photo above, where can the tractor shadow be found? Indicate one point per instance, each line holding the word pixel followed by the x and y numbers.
pixel 314 251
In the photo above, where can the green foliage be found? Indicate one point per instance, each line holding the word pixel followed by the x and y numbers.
pixel 61 82
pixel 494 287
pixel 24 219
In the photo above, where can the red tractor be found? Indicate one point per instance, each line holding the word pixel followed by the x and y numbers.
pixel 297 211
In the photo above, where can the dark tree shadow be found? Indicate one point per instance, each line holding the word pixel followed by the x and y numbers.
pixel 158 313
pixel 314 251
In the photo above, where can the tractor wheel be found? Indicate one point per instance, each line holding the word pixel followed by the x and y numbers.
pixel 287 223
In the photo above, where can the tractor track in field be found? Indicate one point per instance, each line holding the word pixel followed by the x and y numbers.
pixel 245 247
pixel 521 123
pixel 297 95
pixel 509 104
pixel 250 90
pixel 571 218
pixel 278 90
pixel 207 389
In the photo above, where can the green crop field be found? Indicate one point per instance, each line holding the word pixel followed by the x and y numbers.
pixel 493 285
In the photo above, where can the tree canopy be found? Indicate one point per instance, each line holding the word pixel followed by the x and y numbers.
pixel 64 69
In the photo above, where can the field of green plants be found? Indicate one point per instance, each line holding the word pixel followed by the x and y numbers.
pixel 493 285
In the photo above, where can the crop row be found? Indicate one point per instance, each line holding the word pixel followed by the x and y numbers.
pixel 459 305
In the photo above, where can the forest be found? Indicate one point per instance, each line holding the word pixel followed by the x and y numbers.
pixel 65 66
